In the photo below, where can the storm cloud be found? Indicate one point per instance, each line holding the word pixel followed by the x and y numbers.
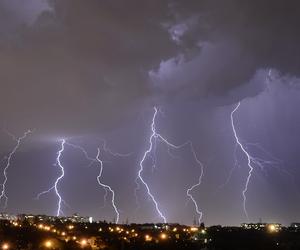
pixel 69 60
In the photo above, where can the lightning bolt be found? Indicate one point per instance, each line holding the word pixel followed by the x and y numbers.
pixel 260 162
pixel 8 163
pixel 92 161
pixel 253 161
pixel 249 159
pixel 189 190
pixel 107 187
pixel 154 137
pixel 59 178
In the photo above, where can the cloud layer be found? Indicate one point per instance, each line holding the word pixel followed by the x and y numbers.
pixel 74 65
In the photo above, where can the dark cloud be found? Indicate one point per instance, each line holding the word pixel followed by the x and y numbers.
pixel 86 63
pixel 230 41
pixel 82 64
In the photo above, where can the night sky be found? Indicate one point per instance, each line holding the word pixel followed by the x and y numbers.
pixel 93 70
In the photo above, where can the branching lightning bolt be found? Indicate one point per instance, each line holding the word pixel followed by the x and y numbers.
pixel 249 160
pixel 253 161
pixel 188 192
pixel 92 161
pixel 107 187
pixel 8 162
pixel 59 178
pixel 258 161
pixel 153 136
pixel 152 144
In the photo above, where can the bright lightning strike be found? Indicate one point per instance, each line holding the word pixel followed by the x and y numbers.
pixel 252 161
pixel 107 187
pixel 154 137
pixel 249 159
pixel 59 178
pixel 8 163
pixel 259 161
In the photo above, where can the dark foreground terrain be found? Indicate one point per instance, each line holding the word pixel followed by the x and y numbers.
pixel 67 235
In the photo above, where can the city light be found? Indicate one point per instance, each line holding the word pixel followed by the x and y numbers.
pixel 273 228
pixel 48 244
pixel 5 246
pixel 148 237
pixel 83 242
pixel 163 236
pixel 136 235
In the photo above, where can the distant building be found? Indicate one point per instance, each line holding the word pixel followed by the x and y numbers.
pixel 33 219
pixel 256 226
pixel 295 227
pixel 273 227
pixel 75 218
pixel 4 216
pixel 36 218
